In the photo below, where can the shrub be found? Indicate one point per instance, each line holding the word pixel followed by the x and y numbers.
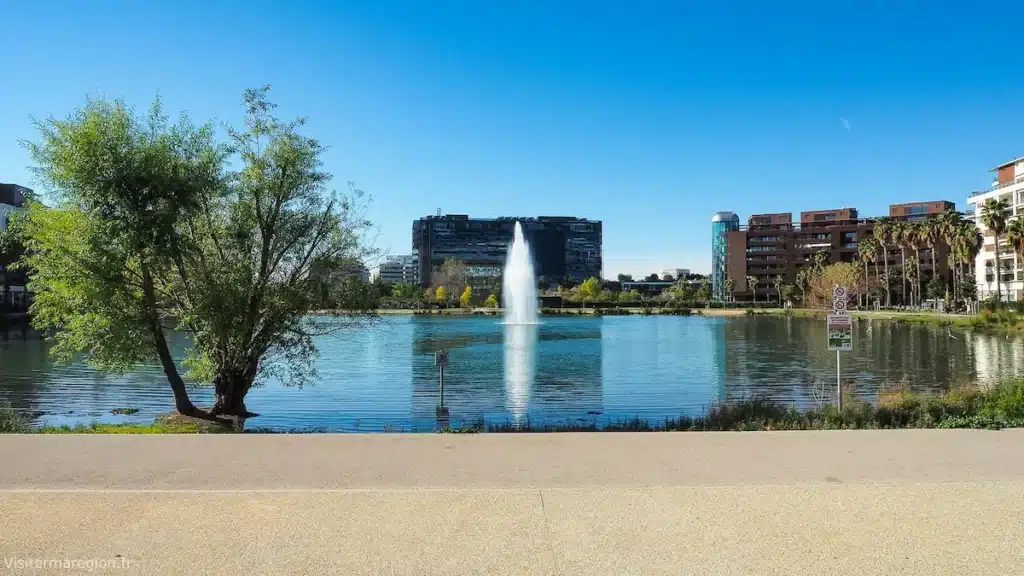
pixel 1005 400
pixel 11 421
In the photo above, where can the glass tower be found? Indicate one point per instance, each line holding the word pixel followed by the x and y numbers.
pixel 721 223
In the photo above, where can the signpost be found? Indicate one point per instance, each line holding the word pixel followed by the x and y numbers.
pixel 840 334
pixel 441 361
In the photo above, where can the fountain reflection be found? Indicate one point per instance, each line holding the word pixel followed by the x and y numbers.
pixel 520 359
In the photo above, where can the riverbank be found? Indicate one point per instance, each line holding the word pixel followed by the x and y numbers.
pixel 962 320
pixel 1001 406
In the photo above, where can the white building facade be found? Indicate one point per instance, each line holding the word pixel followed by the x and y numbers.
pixel 675 273
pixel 401 269
pixel 1008 186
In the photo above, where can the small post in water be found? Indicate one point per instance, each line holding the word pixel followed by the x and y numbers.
pixel 441 360
pixel 839 383
pixel 839 326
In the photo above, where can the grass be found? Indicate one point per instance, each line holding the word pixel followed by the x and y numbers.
pixel 154 428
pixel 897 407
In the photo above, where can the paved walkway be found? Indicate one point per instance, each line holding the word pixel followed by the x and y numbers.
pixel 899 502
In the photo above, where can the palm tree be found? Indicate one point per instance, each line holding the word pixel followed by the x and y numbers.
pixel 932 233
pixel 867 250
pixel 900 233
pixel 994 214
pixel 883 236
pixel 921 234
pixel 911 232
pixel 803 279
pixel 730 285
pixel 1015 236
pixel 947 224
pixel 967 241
pixel 780 280
pixel 752 284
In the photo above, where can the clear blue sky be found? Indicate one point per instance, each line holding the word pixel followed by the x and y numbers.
pixel 649 115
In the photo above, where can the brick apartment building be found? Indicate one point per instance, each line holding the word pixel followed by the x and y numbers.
pixel 772 245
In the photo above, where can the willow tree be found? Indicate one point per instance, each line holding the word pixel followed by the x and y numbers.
pixel 150 232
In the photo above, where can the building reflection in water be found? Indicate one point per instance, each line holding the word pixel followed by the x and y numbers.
pixel 788 359
pixel 662 366
pixel 507 374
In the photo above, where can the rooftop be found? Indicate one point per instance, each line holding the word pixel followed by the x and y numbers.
pixel 1005 164
pixel 508 218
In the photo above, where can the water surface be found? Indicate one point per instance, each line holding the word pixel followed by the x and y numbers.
pixel 566 369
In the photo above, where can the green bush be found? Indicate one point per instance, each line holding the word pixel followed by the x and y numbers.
pixel 897 407
pixel 1005 400
pixel 11 421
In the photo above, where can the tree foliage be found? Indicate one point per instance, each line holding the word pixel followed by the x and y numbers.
pixel 466 298
pixel 822 282
pixel 405 291
pixel 590 289
pixel 152 232
pixel 452 276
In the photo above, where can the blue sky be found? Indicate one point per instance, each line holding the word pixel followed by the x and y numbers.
pixel 648 115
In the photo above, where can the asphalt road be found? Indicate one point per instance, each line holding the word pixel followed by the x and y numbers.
pixel 864 502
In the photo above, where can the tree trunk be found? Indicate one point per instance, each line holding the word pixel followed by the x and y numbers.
pixel 229 389
pixel 903 273
pixel 867 281
pixel 182 403
pixel 935 268
pixel 885 264
pixel 951 263
pixel 999 276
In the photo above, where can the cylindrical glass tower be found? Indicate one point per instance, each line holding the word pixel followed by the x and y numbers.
pixel 721 223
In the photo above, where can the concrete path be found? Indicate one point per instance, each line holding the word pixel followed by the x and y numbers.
pixel 899 502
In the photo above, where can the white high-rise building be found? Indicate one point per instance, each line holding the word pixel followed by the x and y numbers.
pixel 675 273
pixel 1008 186
pixel 403 268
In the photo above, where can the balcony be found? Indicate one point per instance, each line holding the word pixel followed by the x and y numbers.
pixel 821 245
pixel 1015 181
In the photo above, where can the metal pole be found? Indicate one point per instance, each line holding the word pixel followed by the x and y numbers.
pixel 442 385
pixel 839 384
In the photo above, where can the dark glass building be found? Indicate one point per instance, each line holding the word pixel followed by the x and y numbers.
pixel 563 247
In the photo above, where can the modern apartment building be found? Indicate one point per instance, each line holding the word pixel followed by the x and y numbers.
pixel 1008 186
pixel 401 269
pixel 12 284
pixel 563 247
pixel 12 197
pixel 771 245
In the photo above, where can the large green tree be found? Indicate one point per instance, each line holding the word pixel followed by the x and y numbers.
pixel 150 232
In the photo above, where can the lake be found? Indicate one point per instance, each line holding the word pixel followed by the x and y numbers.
pixel 567 369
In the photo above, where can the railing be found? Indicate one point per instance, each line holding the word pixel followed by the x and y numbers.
pixel 1001 185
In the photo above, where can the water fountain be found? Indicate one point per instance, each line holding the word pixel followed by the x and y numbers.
pixel 519 298
pixel 519 286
